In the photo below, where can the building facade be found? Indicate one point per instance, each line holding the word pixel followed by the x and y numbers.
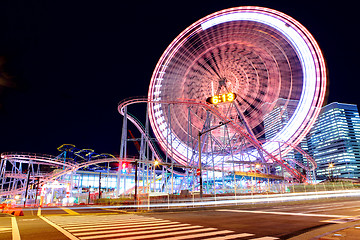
pixel 334 142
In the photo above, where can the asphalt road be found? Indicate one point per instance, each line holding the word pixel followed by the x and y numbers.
pixel 251 222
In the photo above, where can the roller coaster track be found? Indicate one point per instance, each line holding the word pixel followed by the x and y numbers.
pixel 242 131
pixel 63 167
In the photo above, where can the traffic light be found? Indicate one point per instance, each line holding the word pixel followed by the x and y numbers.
pixel 125 166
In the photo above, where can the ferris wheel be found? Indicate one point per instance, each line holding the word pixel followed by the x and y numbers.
pixel 258 78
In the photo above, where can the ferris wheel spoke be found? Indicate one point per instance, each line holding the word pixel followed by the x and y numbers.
pixel 267 59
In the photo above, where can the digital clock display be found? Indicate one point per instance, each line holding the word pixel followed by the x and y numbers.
pixel 221 98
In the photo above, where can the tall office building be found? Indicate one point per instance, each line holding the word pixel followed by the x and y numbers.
pixel 279 116
pixel 276 120
pixel 334 141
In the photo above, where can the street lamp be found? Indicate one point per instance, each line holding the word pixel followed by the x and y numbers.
pixel 199 145
pixel 156 163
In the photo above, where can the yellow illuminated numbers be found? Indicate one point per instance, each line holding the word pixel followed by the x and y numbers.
pixel 230 97
pixel 226 97
pixel 215 100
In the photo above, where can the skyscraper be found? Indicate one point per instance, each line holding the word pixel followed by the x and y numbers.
pixel 334 141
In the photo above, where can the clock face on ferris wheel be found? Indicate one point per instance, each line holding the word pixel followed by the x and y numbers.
pixel 254 65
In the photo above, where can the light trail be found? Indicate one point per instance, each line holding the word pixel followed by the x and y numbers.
pixel 228 201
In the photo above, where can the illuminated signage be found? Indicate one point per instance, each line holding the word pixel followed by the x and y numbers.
pixel 226 97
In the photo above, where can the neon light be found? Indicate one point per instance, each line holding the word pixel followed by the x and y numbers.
pixel 313 84
pixel 221 98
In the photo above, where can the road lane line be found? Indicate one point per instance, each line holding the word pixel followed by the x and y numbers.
pixel 182 230
pixel 284 213
pixel 69 211
pixel 135 227
pixel 333 208
pixel 15 229
pixel 60 229
pixel 307 207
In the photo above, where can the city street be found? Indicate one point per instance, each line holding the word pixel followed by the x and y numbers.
pixel 282 221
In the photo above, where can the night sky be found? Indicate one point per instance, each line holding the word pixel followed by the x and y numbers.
pixel 65 65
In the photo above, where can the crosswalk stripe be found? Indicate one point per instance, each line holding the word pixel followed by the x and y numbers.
pixel 60 229
pixel 265 238
pixel 104 222
pixel 117 224
pixel 134 227
pixel 101 217
pixel 5 229
pixel 232 236
pixel 162 235
pixel 199 235
pixel 119 234
pixel 129 229
pixel 110 220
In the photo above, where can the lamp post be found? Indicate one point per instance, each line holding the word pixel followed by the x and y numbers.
pixel 199 145
pixel 136 179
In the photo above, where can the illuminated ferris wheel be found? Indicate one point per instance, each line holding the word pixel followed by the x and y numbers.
pixel 256 79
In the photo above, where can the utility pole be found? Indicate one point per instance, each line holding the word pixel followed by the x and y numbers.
pixel 100 185
pixel 200 172
pixel 199 144
pixel 136 179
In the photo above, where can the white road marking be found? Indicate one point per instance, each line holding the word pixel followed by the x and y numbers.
pixel 15 229
pixel 320 207
pixel 191 236
pixel 81 222
pixel 342 220
pixel 206 234
pixel 284 213
pixel 121 226
pixel 60 229
pixel 143 230
pixel 5 229
pixel 113 224
pixel 232 236
pixel 308 207
pixel 265 238
pixel 39 211
pixel 332 208
pixel 139 227
pixel 124 235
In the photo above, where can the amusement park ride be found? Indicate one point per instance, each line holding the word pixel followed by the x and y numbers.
pixel 230 100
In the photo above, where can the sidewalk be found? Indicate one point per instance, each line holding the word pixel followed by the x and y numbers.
pixel 342 231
